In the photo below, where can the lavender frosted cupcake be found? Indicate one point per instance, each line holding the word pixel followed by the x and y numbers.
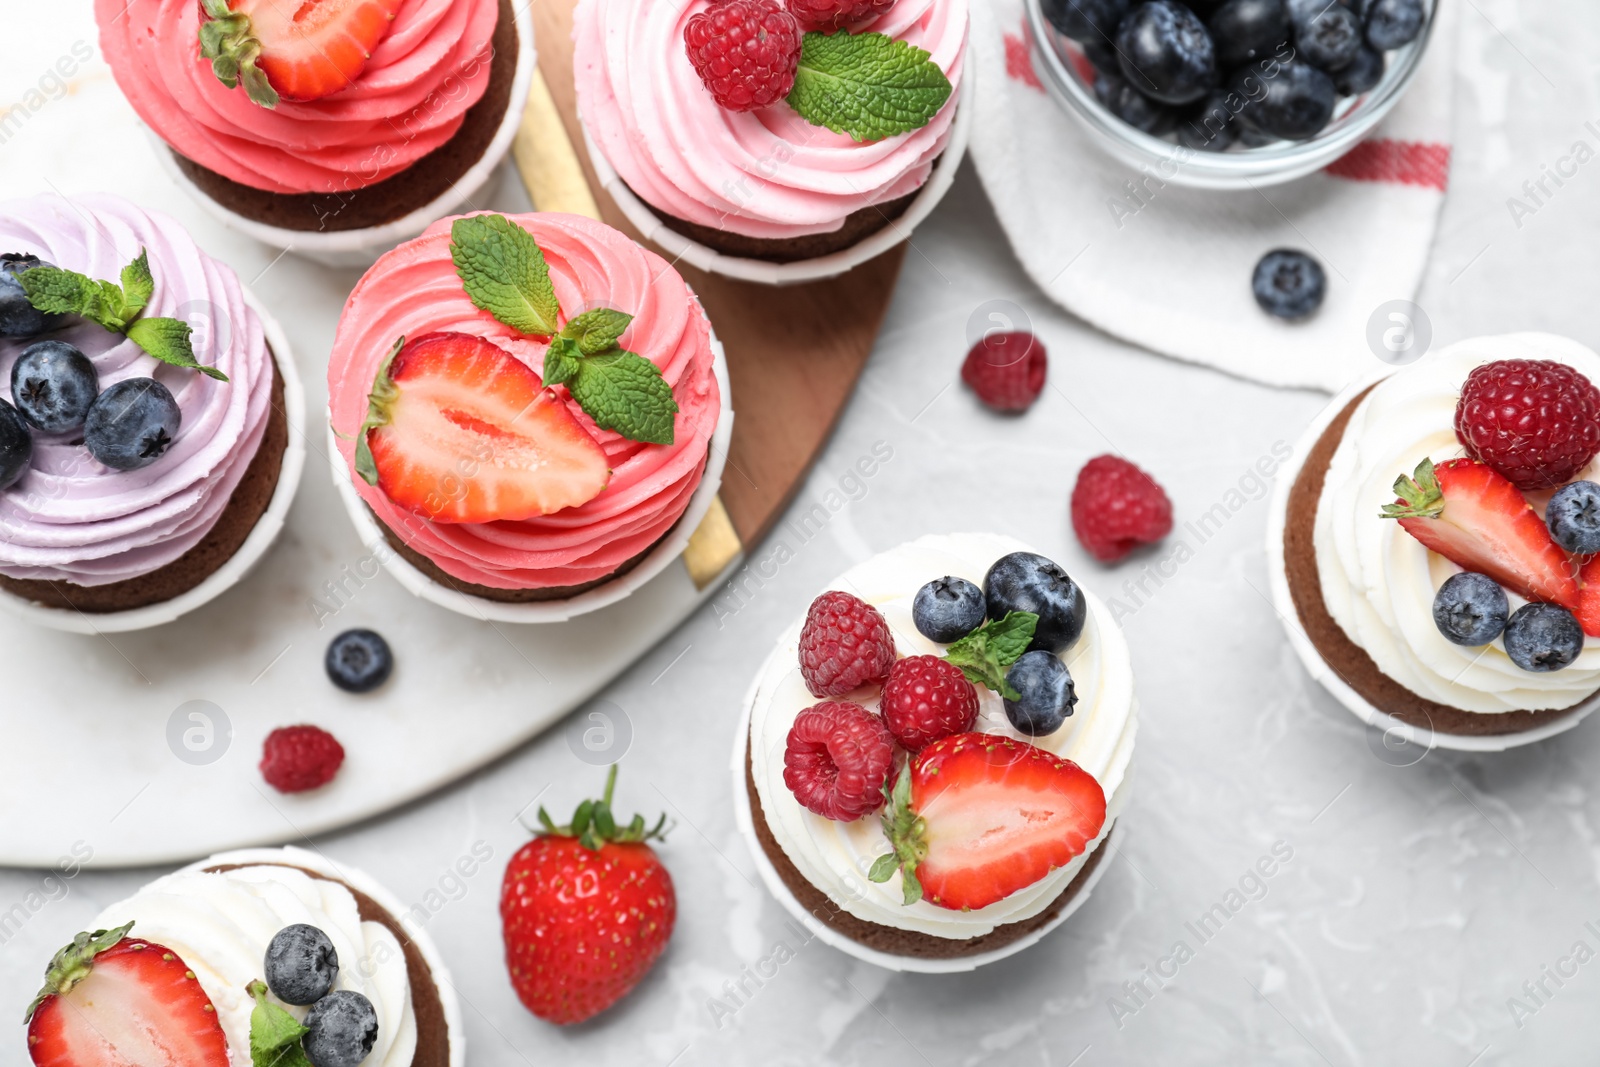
pixel 145 434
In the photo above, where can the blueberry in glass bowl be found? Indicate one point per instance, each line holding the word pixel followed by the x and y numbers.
pixel 1229 94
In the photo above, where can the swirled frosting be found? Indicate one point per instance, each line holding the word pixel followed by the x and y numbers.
pixel 836 856
pixel 1379 582
pixel 415 290
pixel 768 173
pixel 71 519
pixel 410 98
pixel 220 924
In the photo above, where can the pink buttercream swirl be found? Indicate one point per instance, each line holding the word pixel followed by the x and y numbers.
pixel 414 290
pixel 71 519
pixel 768 173
pixel 411 97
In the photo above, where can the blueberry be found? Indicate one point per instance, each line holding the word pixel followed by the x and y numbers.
pixel 19 318
pixel 53 385
pixel 1132 106
pixel 1394 23
pixel 301 964
pixel 16 445
pixel 1045 686
pixel 1470 609
pixel 1102 54
pixel 948 609
pixel 1330 39
pixel 132 424
pixel 1210 127
pixel 1026 581
pixel 1290 100
pixel 359 661
pixel 1244 30
pixel 1363 73
pixel 1251 135
pixel 341 1029
pixel 1086 20
pixel 1574 518
pixel 1289 284
pixel 1543 637
pixel 1166 52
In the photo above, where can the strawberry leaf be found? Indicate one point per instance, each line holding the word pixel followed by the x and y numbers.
pixel 379 401
pixel 907 834
pixel 72 964
pixel 504 272
pixel 1420 495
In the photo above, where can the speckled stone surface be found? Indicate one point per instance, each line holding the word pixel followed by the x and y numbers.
pixel 1419 898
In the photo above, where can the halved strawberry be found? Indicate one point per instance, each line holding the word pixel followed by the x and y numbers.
pixel 294 49
pixel 460 430
pixel 1588 612
pixel 980 816
pixel 111 1000
pixel 1471 515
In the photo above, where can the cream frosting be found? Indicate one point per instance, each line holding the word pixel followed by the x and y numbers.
pixel 415 290
pixel 768 173
pixel 221 923
pixel 1379 582
pixel 834 856
pixel 411 97
pixel 71 519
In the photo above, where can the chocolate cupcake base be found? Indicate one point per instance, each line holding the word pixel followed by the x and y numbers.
pixel 857 227
pixel 1343 656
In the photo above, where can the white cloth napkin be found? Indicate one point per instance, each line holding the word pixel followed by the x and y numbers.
pixel 1174 277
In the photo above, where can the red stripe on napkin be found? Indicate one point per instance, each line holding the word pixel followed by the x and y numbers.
pixel 1019 58
pixel 1403 162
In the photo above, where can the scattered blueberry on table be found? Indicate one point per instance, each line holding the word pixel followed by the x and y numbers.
pixel 1289 284
pixel 359 661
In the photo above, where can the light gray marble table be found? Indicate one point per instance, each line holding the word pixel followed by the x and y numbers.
pixel 1418 899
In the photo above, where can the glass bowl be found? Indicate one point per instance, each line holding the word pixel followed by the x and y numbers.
pixel 1068 76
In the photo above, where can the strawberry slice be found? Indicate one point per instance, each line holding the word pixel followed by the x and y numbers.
pixel 1588 612
pixel 977 817
pixel 293 49
pixel 460 430
pixel 1471 515
pixel 111 1000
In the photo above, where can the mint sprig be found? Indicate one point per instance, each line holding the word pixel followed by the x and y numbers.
pixel 504 273
pixel 116 308
pixel 274 1033
pixel 867 85
pixel 987 653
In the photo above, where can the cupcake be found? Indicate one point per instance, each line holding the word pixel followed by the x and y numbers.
pixel 818 143
pixel 935 757
pixel 525 410
pixel 276 952
pixel 149 441
pixel 335 132
pixel 1438 541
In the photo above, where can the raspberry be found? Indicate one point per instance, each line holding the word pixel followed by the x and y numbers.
pixel 925 699
pixel 829 15
pixel 844 645
pixel 1116 506
pixel 297 758
pixel 1006 370
pixel 1534 420
pixel 837 758
pixel 746 52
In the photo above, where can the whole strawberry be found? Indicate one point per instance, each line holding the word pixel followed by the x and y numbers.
pixel 1535 421
pixel 844 644
pixel 830 15
pixel 1116 506
pixel 1006 370
pixel 586 910
pixel 745 51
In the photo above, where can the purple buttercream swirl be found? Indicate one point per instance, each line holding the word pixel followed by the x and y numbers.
pixel 71 519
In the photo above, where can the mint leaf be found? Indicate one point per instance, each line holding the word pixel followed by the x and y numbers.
pixel 59 292
pixel 867 85
pixel 168 341
pixel 504 273
pixel 383 395
pixel 598 330
pixel 138 286
pixel 625 392
pixel 562 361
pixel 274 1033
pixel 988 652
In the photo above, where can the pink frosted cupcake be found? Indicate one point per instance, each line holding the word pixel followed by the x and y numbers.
pixel 801 170
pixel 525 407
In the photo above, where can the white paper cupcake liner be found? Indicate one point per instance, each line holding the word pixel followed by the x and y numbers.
pixel 1401 733
pixel 361 248
pixel 255 546
pixel 548 611
pixel 318 863
pixel 679 247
